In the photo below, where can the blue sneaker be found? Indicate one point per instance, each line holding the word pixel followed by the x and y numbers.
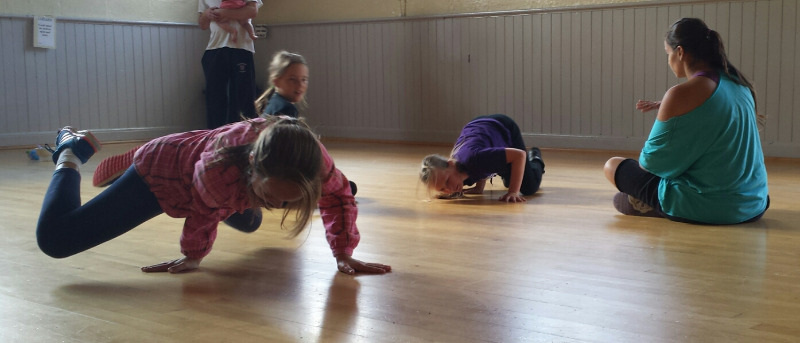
pixel 83 144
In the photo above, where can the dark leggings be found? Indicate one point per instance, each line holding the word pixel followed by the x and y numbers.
pixel 66 228
pixel 248 221
pixel 532 177
pixel 631 179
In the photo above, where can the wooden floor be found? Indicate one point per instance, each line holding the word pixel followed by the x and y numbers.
pixel 564 267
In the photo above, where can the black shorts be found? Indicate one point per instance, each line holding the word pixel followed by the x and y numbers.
pixel 637 182
pixel 631 179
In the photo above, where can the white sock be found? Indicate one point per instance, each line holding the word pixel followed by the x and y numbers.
pixel 68 156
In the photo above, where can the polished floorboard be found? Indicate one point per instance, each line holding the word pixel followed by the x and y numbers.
pixel 563 267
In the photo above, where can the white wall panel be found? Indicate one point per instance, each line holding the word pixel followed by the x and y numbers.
pixel 796 97
pixel 788 64
pixel 569 77
pixel 123 81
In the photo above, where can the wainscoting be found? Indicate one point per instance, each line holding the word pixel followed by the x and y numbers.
pixel 569 77
pixel 125 81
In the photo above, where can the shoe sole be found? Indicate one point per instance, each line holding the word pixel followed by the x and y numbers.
pixel 91 139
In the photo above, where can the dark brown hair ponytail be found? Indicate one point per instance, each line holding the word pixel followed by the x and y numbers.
pixel 705 44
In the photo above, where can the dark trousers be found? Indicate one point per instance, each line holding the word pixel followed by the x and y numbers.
pixel 66 228
pixel 532 178
pixel 230 86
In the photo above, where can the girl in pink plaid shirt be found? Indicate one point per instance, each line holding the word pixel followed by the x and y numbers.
pixel 204 176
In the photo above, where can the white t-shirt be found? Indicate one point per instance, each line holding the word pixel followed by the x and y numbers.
pixel 221 38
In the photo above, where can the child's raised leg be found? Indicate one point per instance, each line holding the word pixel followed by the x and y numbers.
pixel 248 25
pixel 65 227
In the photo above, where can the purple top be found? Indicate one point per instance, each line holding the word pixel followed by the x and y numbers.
pixel 481 149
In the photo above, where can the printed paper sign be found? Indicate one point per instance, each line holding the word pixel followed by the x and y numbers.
pixel 44 32
pixel 261 31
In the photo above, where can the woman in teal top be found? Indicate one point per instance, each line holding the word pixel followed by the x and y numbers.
pixel 702 162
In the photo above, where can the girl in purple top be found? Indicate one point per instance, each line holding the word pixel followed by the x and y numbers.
pixel 488 145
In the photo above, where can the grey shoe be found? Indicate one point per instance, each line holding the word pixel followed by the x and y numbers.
pixel 631 206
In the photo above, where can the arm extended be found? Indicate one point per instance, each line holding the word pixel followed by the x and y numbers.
pixel 516 158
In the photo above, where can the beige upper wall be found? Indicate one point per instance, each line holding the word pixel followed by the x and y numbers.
pixel 426 8
pixel 180 11
pixel 278 11
pixel 293 11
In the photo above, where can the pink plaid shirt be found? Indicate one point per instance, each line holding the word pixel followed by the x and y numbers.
pixel 177 169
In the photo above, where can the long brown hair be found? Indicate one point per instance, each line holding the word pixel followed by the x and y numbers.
pixel 287 150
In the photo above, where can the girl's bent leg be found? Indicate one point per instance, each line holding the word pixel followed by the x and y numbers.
pixel 532 178
pixel 66 228
pixel 248 221
pixel 610 169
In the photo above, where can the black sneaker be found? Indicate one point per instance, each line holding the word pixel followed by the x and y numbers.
pixel 353 188
pixel 534 154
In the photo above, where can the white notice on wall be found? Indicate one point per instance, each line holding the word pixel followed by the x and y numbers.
pixel 44 32
pixel 261 31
